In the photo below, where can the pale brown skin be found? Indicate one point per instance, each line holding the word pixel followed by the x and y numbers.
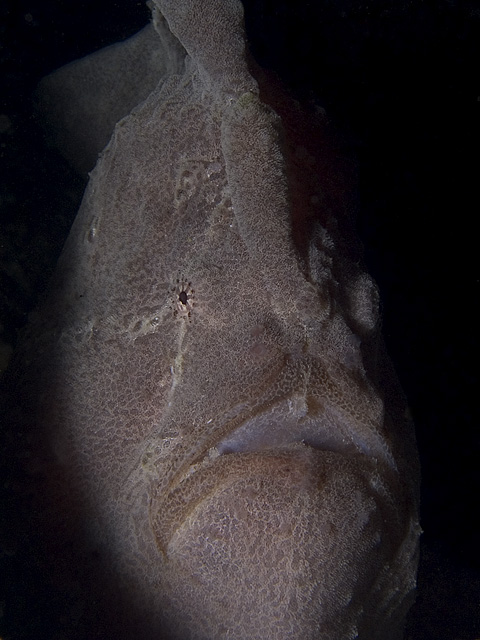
pixel 213 381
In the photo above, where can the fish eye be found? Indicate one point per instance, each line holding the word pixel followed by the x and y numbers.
pixel 182 298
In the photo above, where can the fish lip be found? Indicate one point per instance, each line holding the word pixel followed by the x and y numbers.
pixel 214 473
pixel 293 421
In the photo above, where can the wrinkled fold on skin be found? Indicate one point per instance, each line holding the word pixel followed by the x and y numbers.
pixel 224 424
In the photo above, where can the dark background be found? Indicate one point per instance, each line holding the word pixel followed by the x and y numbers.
pixel 401 79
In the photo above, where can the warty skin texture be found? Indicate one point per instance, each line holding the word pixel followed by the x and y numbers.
pixel 223 426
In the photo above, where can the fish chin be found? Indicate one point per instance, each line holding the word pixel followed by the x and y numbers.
pixel 308 525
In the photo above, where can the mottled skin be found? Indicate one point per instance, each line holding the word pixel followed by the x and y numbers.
pixel 213 387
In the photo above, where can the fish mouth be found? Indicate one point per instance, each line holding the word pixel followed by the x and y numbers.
pixel 294 419
pixel 314 422
pixel 280 439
